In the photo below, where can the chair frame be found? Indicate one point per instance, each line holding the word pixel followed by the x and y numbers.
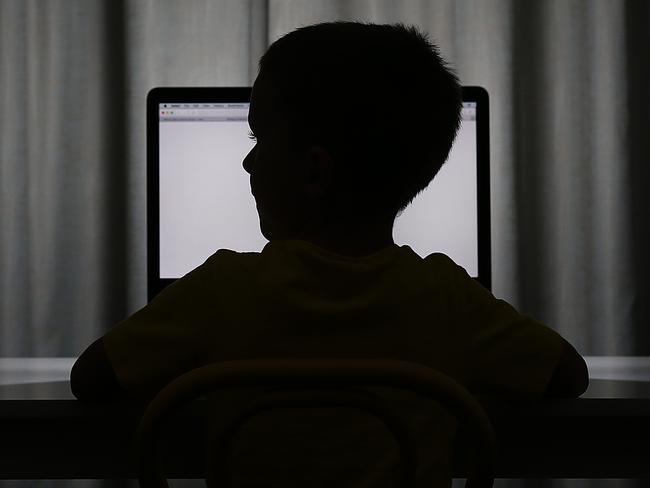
pixel 319 383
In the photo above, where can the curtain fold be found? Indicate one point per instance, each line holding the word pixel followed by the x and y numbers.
pixel 637 166
pixel 570 159
pixel 52 198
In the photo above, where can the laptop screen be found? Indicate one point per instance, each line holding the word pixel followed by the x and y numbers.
pixel 200 199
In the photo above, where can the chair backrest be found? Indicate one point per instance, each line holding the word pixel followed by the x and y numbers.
pixel 331 377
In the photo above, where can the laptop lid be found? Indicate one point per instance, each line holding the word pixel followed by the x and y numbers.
pixel 199 200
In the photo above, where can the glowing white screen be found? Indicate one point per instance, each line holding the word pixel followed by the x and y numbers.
pixel 206 203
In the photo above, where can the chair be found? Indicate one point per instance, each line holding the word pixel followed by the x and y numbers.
pixel 332 379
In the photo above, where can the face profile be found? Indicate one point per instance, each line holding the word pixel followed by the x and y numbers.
pixel 298 191
pixel 288 185
pixel 268 163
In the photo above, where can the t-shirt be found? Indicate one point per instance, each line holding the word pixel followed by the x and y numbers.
pixel 295 299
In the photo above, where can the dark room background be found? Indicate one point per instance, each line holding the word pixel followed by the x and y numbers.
pixel 570 149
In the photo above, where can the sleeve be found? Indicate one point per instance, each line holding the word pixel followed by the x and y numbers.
pixel 508 354
pixel 166 338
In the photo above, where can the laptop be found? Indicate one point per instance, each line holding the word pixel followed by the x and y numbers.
pixel 199 199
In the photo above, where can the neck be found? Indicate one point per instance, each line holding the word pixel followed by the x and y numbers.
pixel 352 240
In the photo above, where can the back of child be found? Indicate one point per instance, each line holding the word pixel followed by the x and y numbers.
pixel 331 282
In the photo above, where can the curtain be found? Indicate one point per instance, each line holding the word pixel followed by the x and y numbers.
pixel 568 136
pixel 74 76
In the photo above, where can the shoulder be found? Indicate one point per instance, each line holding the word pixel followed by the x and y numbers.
pixel 446 272
pixel 220 271
pixel 230 258
pixel 440 260
pixel 222 261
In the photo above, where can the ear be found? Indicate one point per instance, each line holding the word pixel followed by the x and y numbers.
pixel 318 174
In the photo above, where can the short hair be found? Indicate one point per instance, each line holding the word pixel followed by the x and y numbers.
pixel 379 97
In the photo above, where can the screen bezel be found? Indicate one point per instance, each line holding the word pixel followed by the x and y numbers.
pixel 160 95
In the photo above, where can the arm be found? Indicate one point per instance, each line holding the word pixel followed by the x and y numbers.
pixel 92 377
pixel 570 378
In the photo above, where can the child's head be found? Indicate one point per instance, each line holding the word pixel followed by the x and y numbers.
pixel 352 121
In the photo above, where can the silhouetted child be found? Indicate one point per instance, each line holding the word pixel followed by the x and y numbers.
pixel 352 121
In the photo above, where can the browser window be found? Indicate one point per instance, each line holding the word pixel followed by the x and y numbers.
pixel 206 202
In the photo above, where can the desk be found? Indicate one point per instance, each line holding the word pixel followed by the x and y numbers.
pixel 46 434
